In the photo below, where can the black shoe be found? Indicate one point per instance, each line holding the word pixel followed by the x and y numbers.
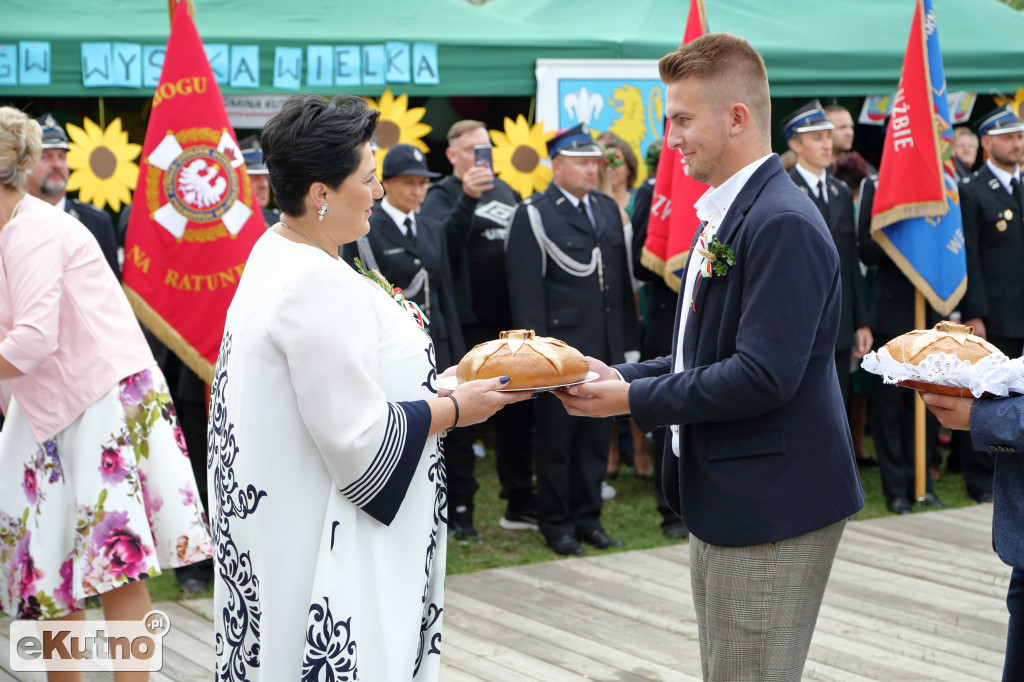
pixel 611 475
pixel 867 463
pixel 598 538
pixel 565 545
pixel 460 526
pixel 931 501
pixel 899 505
pixel 675 530
pixel 525 519
pixel 649 478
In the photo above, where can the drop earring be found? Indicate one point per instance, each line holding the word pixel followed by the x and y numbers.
pixel 322 211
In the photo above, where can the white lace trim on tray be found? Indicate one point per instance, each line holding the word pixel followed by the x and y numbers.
pixel 995 373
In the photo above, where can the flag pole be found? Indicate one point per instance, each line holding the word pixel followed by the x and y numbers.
pixel 170 9
pixel 919 414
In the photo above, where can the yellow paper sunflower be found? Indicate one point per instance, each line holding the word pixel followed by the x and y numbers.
pixel 517 154
pixel 102 164
pixel 398 124
pixel 1017 102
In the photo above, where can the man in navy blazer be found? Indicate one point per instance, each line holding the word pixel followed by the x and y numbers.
pixel 761 462
pixel 997 426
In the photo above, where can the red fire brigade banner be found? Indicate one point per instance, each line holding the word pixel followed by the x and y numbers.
pixel 193 219
pixel 673 220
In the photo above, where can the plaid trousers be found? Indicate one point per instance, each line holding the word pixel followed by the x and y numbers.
pixel 757 606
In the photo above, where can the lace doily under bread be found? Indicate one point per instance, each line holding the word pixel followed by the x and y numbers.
pixel 995 374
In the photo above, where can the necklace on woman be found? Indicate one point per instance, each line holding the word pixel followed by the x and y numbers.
pixel 289 227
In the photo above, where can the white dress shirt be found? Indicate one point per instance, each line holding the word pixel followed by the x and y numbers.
pixel 576 203
pixel 1003 177
pixel 711 209
pixel 399 217
pixel 812 181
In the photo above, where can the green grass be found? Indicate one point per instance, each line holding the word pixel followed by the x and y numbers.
pixel 631 516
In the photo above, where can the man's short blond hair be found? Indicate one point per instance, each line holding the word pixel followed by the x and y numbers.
pixel 460 128
pixel 731 66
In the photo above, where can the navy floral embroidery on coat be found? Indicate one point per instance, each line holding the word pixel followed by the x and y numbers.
pixel 238 646
pixel 330 653
pixel 430 625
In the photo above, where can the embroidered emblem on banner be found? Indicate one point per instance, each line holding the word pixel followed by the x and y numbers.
pixel 194 175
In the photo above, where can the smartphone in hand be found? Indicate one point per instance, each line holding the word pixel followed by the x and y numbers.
pixel 482 155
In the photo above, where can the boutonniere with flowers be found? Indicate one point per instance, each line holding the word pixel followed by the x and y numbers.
pixel 394 292
pixel 718 256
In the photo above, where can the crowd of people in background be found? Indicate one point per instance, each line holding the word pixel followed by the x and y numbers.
pixel 479 259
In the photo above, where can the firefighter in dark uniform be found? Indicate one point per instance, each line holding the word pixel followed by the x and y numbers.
pixel 48 181
pixel 411 251
pixel 992 207
pixel 659 323
pixel 990 202
pixel 808 131
pixel 568 278
pixel 259 177
pixel 892 411
pixel 476 209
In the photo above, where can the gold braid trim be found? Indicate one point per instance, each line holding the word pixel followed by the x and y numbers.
pixel 169 336
pixel 920 283
pixel 923 209
pixel 676 262
pixel 652 262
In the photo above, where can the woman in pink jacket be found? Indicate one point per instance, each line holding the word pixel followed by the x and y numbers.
pixel 95 486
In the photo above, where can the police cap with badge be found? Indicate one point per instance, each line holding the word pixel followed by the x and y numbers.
pixel 575 141
pixel 807 119
pixel 1000 121
pixel 404 159
pixel 54 136
pixel 252 152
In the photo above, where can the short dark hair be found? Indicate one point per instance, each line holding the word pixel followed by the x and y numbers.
pixel 731 68
pixel 314 140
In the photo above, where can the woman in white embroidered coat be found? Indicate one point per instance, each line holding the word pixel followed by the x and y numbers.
pixel 327 484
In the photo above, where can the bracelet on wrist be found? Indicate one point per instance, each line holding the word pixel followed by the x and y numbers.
pixel 456 403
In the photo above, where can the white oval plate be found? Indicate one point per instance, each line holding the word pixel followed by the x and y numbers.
pixel 451 383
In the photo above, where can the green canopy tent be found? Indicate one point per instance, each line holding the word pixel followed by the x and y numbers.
pixel 811 49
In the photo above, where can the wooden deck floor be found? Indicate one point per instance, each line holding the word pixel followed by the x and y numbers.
pixel 911 598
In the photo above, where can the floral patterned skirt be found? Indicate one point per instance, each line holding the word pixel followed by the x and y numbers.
pixel 109 500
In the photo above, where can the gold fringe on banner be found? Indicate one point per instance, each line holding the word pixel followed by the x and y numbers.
pixel 169 336
pixel 923 209
pixel 652 262
pixel 676 262
pixel 944 308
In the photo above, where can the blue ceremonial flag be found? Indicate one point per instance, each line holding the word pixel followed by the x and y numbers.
pixel 916 213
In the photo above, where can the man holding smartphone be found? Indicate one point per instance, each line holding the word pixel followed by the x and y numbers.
pixel 476 209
